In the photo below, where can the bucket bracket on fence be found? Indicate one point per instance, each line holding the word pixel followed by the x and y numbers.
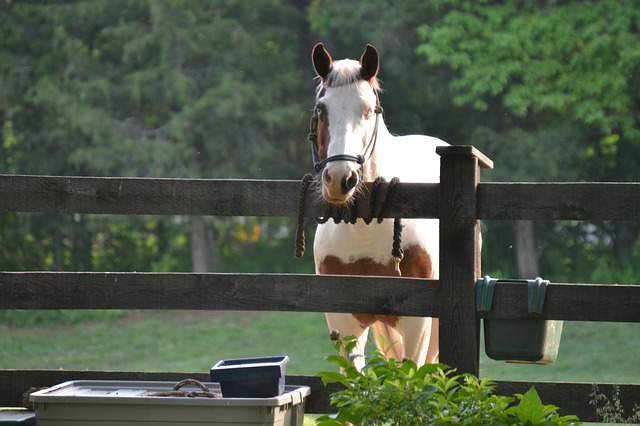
pixel 536 292
pixel 530 340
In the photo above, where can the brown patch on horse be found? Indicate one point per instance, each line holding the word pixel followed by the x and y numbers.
pixel 366 320
pixel 322 141
pixel 416 263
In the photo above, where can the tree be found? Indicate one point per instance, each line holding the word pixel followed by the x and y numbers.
pixel 537 67
pixel 153 88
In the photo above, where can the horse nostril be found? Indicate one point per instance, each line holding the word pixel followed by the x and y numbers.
pixel 326 177
pixel 349 182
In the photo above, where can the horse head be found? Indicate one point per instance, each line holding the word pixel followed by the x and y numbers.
pixel 345 122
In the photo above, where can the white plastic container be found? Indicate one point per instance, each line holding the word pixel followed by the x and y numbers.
pixel 127 403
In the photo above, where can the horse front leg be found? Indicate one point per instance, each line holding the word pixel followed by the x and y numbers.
pixel 417 337
pixel 348 325
pixel 434 343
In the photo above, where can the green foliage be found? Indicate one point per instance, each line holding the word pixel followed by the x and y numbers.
pixel 146 88
pixel 155 87
pixel 573 58
pixel 390 392
pixel 611 410
pixel 548 91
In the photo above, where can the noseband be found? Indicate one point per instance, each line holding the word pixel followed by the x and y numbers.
pixel 360 159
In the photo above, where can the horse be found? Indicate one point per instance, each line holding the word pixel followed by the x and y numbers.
pixel 352 145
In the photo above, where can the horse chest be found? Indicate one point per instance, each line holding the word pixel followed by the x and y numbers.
pixel 416 263
pixel 361 249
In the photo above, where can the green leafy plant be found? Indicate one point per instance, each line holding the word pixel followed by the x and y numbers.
pixel 391 392
pixel 611 410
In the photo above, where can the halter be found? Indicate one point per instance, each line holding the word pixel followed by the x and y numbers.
pixel 360 159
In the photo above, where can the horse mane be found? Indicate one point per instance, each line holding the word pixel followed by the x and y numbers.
pixel 344 73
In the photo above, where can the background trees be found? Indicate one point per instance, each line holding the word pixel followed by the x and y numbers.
pixel 159 88
pixel 557 90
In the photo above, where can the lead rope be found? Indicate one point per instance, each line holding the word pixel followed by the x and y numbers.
pixel 204 391
pixel 396 250
pixel 348 214
pixel 302 198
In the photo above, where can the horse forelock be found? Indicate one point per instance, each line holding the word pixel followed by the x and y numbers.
pixel 344 73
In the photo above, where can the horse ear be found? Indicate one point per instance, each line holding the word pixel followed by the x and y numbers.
pixel 369 63
pixel 322 62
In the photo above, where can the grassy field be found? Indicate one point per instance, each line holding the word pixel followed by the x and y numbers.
pixel 194 341
pixel 169 341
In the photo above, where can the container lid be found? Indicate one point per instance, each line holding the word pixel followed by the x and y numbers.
pixel 11 416
pixel 141 392
pixel 270 361
pixel 249 369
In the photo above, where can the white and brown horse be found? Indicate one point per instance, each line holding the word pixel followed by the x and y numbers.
pixel 353 145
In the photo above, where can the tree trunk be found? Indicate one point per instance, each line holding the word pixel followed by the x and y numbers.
pixel 203 253
pixel 526 251
pixel 624 239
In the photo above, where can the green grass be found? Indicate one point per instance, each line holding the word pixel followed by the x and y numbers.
pixel 169 341
pixel 194 341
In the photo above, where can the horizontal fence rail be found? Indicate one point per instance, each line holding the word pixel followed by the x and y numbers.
pixel 573 302
pixel 211 291
pixel 216 197
pixel 301 293
pixel 559 201
pixel 222 197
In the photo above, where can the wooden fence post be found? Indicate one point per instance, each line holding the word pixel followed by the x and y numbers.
pixel 459 256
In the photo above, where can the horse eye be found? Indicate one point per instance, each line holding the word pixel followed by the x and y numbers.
pixel 320 110
pixel 369 113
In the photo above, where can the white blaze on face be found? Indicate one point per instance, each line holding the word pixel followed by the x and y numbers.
pixel 351 121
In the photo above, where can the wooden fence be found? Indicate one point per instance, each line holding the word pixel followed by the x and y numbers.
pixel 459 201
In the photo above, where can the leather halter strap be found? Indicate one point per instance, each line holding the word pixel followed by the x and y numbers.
pixel 360 159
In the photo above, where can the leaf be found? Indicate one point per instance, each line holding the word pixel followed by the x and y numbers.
pixel 530 409
pixel 340 361
pixel 332 377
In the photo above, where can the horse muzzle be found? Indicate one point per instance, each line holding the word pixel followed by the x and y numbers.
pixel 338 188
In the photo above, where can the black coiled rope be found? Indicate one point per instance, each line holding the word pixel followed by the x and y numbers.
pixel 348 214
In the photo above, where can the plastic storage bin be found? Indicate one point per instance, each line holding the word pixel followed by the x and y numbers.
pixel 251 377
pixel 17 417
pixel 128 403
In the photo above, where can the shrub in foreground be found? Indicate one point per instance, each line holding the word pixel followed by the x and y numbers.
pixel 391 392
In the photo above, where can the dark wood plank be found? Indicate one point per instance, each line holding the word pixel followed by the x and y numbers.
pixel 573 302
pixel 219 197
pixel 211 291
pixel 289 292
pixel 459 259
pixel 559 201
